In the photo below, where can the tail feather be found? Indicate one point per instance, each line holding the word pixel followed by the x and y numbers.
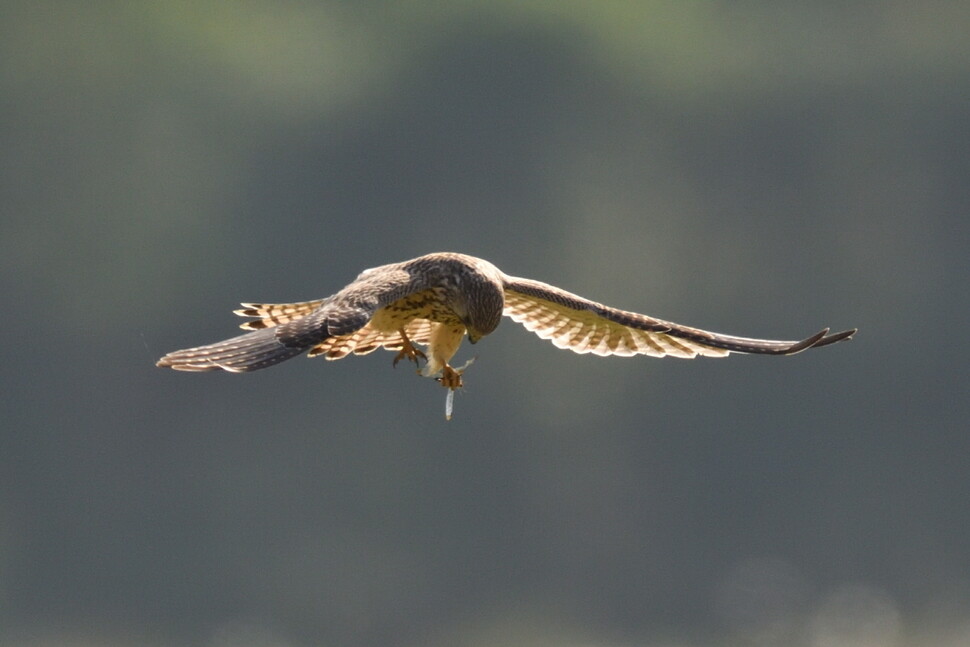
pixel 249 352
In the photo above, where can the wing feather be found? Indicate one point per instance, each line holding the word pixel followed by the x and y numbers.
pixel 368 339
pixel 584 326
pixel 273 314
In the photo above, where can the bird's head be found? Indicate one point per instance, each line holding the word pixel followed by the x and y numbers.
pixel 473 335
pixel 475 292
pixel 481 314
pixel 480 310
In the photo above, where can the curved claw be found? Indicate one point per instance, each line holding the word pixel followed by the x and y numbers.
pixel 409 352
pixel 450 378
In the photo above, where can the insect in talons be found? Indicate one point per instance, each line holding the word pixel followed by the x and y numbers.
pixel 451 379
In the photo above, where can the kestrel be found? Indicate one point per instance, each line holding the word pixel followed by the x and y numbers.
pixel 437 299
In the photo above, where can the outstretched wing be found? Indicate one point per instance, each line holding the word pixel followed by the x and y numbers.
pixel 283 331
pixel 584 326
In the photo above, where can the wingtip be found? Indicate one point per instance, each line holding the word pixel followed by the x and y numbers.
pixel 836 337
pixel 809 342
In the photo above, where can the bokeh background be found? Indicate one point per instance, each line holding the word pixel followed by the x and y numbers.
pixel 757 168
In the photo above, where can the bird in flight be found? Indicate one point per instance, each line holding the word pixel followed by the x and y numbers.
pixel 438 299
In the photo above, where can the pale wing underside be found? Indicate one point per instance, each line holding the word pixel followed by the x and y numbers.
pixel 368 339
pixel 273 314
pixel 584 331
pixel 584 326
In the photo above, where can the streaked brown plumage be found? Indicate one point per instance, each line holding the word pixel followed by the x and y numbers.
pixel 435 300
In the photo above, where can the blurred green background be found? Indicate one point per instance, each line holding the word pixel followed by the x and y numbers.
pixel 757 168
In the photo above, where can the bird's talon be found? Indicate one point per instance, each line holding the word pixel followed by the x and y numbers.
pixel 409 352
pixel 450 378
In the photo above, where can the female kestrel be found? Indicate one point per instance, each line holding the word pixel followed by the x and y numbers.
pixel 437 299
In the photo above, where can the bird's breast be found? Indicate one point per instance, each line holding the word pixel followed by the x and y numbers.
pixel 427 304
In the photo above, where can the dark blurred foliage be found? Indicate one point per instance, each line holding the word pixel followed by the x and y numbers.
pixel 757 168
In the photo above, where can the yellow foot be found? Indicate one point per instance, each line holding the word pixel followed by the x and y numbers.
pixel 450 378
pixel 409 352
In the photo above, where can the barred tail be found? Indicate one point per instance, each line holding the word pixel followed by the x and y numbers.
pixel 249 352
